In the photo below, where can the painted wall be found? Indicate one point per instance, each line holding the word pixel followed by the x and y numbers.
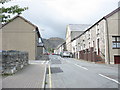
pixel 19 35
pixel 0 39
pixel 113 31
pixel 68 39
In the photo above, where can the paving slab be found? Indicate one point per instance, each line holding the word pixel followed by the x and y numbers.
pixel 32 76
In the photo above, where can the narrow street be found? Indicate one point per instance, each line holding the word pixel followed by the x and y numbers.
pixel 60 44
pixel 72 73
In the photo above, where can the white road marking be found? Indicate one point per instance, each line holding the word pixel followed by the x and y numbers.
pixel 50 78
pixel 47 62
pixel 42 63
pixel 109 78
pixel 81 66
pixel 39 62
pixel 44 78
pixel 77 65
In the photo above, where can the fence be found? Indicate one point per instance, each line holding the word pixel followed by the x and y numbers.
pixel 12 61
pixel 90 55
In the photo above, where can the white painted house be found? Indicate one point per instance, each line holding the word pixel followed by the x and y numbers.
pixel 72 31
pixel 101 41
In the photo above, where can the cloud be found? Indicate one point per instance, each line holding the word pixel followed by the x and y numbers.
pixel 54 15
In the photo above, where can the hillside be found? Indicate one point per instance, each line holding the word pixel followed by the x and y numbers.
pixel 52 42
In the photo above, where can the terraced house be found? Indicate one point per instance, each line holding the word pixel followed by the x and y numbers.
pixel 72 31
pixel 60 48
pixel 20 34
pixel 101 41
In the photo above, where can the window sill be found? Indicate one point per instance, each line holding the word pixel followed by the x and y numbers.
pixel 116 48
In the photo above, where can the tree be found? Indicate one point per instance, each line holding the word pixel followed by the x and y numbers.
pixel 51 50
pixel 7 12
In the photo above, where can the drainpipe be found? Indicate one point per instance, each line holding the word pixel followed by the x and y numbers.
pixel 108 40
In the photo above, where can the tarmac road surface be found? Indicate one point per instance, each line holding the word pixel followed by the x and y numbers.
pixel 72 73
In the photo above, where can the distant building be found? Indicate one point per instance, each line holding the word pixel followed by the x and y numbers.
pixel 60 48
pixel 72 31
pixel 20 34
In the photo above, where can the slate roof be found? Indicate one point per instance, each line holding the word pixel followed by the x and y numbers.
pixel 113 12
pixel 78 27
pixel 40 45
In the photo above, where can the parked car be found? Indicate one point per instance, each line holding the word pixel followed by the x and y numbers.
pixel 46 53
pixel 53 54
pixel 66 54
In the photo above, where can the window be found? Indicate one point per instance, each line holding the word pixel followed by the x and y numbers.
pixel 84 45
pixel 116 42
pixel 97 30
pixel 89 44
pixel 93 43
pixel 113 38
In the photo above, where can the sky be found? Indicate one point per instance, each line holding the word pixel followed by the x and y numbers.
pixel 52 16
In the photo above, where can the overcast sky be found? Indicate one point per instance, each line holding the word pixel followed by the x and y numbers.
pixel 52 16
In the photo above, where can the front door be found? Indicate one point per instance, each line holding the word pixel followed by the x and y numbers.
pixel 117 59
pixel 98 44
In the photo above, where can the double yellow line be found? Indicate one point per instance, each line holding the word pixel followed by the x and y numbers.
pixel 50 78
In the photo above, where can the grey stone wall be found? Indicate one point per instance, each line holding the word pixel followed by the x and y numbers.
pixel 13 61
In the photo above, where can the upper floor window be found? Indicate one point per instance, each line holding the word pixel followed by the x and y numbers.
pixel 89 44
pixel 84 45
pixel 116 42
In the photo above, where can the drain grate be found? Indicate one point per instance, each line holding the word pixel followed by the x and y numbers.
pixel 54 70
pixel 56 62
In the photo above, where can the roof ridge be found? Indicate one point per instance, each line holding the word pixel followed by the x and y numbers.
pixel 24 20
pixel 113 12
pixel 21 18
pixel 79 24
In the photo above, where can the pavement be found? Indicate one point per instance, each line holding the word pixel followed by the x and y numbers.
pixel 72 73
pixel 32 76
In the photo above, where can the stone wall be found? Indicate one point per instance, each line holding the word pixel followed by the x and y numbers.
pixel 13 61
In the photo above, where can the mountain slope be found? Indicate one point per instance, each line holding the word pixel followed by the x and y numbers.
pixel 53 42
